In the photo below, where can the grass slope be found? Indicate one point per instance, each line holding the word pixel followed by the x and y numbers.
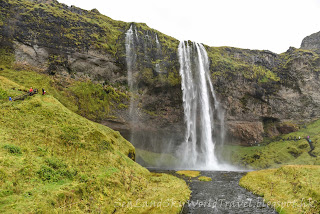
pixel 53 160
pixel 281 151
pixel 290 189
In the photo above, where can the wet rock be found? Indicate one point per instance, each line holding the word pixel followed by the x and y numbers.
pixel 245 133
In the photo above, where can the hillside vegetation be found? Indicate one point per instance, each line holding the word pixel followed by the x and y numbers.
pixel 90 100
pixel 53 160
pixel 282 150
pixel 291 185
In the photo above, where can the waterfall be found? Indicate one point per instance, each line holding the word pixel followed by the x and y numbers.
pixel 204 121
pixel 158 52
pixel 158 44
pixel 131 60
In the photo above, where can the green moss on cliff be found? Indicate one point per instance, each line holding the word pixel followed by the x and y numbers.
pixel 59 26
pixel 293 62
pixel 226 64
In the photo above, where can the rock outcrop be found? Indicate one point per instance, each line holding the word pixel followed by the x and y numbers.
pixel 311 42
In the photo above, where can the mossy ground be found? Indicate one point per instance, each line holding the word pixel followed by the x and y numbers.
pixel 290 189
pixel 189 173
pixel 204 178
pixel 52 160
pixel 193 174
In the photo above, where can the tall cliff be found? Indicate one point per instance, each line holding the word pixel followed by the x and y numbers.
pixel 263 93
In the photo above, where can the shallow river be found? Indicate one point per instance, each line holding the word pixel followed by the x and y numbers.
pixel 222 195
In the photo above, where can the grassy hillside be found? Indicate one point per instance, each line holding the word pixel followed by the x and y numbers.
pixel 282 150
pixel 290 189
pixel 53 160
pixel 92 101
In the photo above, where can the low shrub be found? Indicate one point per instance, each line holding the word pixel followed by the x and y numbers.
pixel 12 149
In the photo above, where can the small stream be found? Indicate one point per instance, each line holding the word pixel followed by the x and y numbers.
pixel 221 195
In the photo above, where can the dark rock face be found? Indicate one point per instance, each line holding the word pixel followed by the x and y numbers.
pixel 81 65
pixel 251 85
pixel 292 95
pixel 311 42
pixel 246 133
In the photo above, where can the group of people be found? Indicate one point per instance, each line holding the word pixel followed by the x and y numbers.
pixel 32 92
pixel 293 138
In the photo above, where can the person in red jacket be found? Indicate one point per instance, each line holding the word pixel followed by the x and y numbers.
pixel 30 91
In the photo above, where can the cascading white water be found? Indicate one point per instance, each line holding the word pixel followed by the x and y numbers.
pixel 158 44
pixel 202 131
pixel 157 67
pixel 130 59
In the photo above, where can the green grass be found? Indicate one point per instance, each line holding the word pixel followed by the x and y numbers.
pixel 53 160
pixel 9 89
pixel 290 189
pixel 279 152
pixel 204 178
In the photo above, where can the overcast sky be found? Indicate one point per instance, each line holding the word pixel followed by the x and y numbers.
pixel 273 25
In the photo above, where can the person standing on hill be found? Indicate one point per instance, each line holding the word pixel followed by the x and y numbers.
pixel 308 139
pixel 43 92
pixel 30 91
